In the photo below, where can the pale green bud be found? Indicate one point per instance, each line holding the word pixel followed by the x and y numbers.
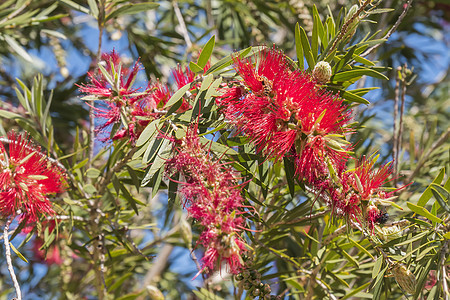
pixel 154 293
pixel 322 72
pixel 405 278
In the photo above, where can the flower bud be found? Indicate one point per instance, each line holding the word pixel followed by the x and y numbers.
pixel 154 293
pixel 405 278
pixel 322 72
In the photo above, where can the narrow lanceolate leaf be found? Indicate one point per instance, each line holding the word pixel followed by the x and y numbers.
pixel 18 253
pixel 356 291
pixel 357 245
pixel 148 132
pixel 441 195
pixel 17 48
pixel 355 74
pixel 133 8
pixel 426 196
pixel 349 96
pixel 206 52
pixel 178 95
pixel 75 6
pixel 298 47
pixel 195 67
pixel 377 267
pixel 93 8
pixel 423 212
pixel 307 49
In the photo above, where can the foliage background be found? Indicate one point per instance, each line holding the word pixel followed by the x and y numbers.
pixel 60 40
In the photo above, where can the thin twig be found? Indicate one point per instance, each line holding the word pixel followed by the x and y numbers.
pixel 394 135
pixel 344 27
pixel 443 275
pixel 310 217
pixel 104 181
pixel 406 7
pixel 442 139
pixel 183 28
pixel 8 259
pixel 400 125
pixel 16 12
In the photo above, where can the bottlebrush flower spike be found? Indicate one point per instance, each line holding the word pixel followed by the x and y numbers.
pixel 212 196
pixel 281 111
pixel 27 178
pixel 112 80
pixel 359 192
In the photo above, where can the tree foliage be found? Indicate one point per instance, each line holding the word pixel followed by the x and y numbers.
pixel 130 225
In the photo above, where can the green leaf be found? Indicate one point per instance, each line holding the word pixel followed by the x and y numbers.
pixel 307 49
pixel 427 194
pixel 315 37
pixel 92 173
pixel 9 115
pixel 131 296
pixel 379 11
pixel 355 291
pixel 299 48
pixel 206 52
pixel 377 267
pixel 17 48
pixel 357 245
pixel 118 283
pixel 195 67
pixel 447 235
pixel 93 8
pixel 349 96
pixel 206 82
pixel 18 253
pixel 227 61
pixel 80 164
pixel 75 6
pixel 178 95
pixel 130 199
pixel 356 74
pixel 350 258
pixel 132 8
pixel 204 294
pixel 441 195
pixel 90 189
pixel 148 132
pixel 423 212
pixel 161 157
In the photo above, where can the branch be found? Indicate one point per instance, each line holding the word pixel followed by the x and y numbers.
pixel 406 7
pixel 183 28
pixel 442 139
pixel 8 259
pixel 104 181
pixel 16 12
pixel 344 27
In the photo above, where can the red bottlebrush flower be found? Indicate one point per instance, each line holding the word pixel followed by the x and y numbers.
pixel 359 191
pixel 372 215
pixel 282 111
pixel 27 178
pixel 183 77
pixel 212 196
pixel 51 256
pixel 102 87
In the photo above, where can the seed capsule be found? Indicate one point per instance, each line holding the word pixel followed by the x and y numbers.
pixel 405 278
